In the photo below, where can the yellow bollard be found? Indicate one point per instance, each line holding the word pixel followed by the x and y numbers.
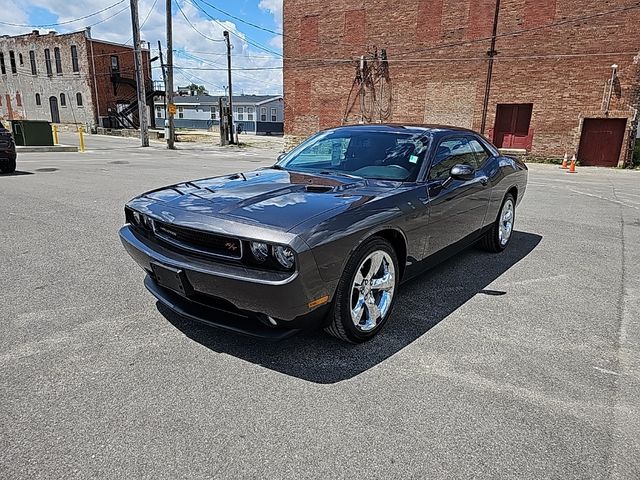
pixel 55 134
pixel 81 133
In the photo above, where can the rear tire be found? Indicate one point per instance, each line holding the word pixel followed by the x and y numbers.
pixel 8 165
pixel 364 298
pixel 500 233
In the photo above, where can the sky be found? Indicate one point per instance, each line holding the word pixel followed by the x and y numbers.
pixel 199 58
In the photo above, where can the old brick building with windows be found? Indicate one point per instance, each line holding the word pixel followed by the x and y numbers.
pixel 69 78
pixel 552 89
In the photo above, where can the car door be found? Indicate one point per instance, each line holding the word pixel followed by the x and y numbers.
pixel 487 167
pixel 457 207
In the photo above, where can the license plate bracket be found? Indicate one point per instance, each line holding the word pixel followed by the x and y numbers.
pixel 171 278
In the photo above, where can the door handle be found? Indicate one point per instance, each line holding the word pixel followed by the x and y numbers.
pixel 484 181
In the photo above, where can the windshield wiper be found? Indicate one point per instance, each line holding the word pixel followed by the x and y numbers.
pixel 338 172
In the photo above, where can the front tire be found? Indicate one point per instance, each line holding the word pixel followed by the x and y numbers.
pixel 8 165
pixel 499 236
pixel 366 292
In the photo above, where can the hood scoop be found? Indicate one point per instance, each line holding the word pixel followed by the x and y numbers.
pixel 318 188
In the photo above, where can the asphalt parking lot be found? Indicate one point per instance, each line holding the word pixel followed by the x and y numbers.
pixel 519 365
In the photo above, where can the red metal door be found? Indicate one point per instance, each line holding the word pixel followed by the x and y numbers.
pixel 601 141
pixel 512 125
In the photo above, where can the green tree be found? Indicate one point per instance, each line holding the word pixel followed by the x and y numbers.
pixel 199 89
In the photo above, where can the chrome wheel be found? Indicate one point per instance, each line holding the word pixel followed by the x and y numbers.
pixel 506 222
pixel 372 290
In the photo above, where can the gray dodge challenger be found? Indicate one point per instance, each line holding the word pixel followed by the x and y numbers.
pixel 323 238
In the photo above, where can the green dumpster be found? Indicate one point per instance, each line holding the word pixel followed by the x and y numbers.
pixel 32 132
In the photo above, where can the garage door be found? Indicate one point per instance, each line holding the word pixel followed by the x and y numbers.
pixel 601 141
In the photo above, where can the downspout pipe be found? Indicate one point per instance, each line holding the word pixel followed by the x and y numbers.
pixel 491 54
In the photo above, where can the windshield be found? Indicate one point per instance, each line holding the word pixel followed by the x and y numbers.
pixel 368 154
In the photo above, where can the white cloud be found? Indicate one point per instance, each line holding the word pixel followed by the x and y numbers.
pixel 275 8
pixel 201 53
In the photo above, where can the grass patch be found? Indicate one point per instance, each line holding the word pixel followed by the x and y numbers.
pixel 547 160
pixel 635 161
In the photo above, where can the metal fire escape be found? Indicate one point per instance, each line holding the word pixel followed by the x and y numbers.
pixel 127 116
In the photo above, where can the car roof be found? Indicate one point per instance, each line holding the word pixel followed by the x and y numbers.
pixel 438 130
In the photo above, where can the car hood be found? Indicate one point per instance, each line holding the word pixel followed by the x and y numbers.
pixel 269 197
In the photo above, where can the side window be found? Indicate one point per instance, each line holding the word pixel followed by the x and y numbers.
pixel 56 56
pixel 450 152
pixel 47 61
pixel 325 151
pixel 481 153
pixel 74 59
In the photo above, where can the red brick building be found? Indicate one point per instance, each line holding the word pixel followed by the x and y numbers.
pixel 69 78
pixel 552 88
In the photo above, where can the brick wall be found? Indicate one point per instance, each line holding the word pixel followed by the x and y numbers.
pixel 438 78
pixel 18 90
pixel 108 94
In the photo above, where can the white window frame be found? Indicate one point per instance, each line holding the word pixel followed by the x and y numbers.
pixel 158 112
pixel 240 114
pixel 180 112
pixel 274 114
pixel 263 114
pixel 214 113
pixel 250 112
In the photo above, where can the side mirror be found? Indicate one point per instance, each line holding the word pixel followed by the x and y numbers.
pixel 281 156
pixel 462 171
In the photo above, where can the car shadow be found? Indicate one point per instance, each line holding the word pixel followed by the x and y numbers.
pixel 15 174
pixel 319 358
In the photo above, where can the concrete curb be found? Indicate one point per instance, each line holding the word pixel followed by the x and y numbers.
pixel 45 148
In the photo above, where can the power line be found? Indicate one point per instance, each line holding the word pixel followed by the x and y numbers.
pixel 566 21
pixel 237 72
pixel 243 37
pixel 436 47
pixel 149 14
pixel 274 32
pixel 241 19
pixel 526 30
pixel 193 26
pixel 241 69
pixel 424 60
pixel 66 22
pixel 190 77
pixel 109 17
pixel 144 21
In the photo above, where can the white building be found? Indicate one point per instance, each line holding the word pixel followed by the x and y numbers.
pixel 258 114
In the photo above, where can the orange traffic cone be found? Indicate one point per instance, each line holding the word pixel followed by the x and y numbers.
pixel 565 159
pixel 572 168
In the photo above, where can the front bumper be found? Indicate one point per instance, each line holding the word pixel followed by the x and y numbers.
pixel 8 153
pixel 233 288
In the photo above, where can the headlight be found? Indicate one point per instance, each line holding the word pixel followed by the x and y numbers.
pixel 136 217
pixel 285 256
pixel 260 251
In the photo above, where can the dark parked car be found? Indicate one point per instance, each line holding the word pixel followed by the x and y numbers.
pixel 325 236
pixel 7 151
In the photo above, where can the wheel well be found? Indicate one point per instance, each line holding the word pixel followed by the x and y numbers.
pixel 397 241
pixel 513 191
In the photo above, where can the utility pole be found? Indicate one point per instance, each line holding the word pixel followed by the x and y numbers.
pixel 164 78
pixel 491 53
pixel 231 129
pixel 168 95
pixel 142 96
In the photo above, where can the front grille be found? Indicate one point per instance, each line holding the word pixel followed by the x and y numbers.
pixel 198 241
